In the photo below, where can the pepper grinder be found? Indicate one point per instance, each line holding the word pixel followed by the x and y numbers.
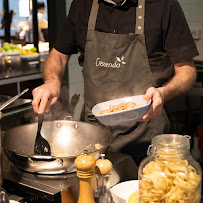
pixel 85 165
pixel 103 171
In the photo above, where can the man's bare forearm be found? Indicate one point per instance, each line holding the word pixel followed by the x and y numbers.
pixel 54 67
pixel 183 80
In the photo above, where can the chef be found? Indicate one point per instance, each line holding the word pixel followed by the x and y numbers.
pixel 127 48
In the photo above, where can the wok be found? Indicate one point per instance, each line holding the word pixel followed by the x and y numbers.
pixel 67 139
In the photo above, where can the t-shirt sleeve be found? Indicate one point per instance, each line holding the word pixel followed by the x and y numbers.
pixel 40 17
pixel 66 41
pixel 42 22
pixel 178 41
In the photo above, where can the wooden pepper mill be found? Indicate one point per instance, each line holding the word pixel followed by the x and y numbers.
pixel 103 171
pixel 85 165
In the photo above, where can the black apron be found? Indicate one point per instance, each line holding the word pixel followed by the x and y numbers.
pixel 116 66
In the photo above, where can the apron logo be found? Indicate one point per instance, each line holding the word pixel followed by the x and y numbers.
pixel 116 64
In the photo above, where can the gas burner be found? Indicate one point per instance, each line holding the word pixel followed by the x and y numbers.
pixel 26 174
pixel 42 188
pixel 35 187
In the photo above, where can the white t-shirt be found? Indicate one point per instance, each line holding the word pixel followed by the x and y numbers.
pixel 112 2
pixel 42 22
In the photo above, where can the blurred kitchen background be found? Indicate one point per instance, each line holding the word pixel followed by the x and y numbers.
pixel 185 113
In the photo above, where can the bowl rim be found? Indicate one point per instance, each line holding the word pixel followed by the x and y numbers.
pixel 12 53
pixel 123 183
pixel 24 56
pixel 148 102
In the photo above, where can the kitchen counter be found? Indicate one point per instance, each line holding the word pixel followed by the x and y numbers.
pixel 19 70
pixel 16 73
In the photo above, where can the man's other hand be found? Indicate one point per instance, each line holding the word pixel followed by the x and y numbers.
pixel 156 106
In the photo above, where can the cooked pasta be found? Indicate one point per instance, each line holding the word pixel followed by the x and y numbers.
pixel 120 107
pixel 169 180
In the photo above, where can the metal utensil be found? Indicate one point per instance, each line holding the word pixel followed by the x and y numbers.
pixel 12 99
pixel 1 115
pixel 41 145
pixel 3 196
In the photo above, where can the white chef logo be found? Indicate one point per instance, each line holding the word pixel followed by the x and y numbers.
pixel 116 64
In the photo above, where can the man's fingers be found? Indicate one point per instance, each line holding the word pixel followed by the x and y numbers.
pixel 50 103
pixel 151 113
pixel 54 100
pixel 148 114
pixel 43 103
pixel 44 96
pixel 147 117
pixel 48 106
pixel 36 100
pixel 149 93
pixel 156 103
pixel 39 100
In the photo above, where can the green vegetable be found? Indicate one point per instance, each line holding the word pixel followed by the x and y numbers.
pixel 34 49
pixel 9 47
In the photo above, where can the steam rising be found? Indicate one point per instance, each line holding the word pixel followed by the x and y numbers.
pixel 59 110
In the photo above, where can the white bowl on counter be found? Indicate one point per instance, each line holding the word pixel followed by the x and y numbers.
pixel 30 57
pixel 122 191
pixel 116 118
pixel 13 53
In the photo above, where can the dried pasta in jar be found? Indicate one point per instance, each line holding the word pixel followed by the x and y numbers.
pixel 170 178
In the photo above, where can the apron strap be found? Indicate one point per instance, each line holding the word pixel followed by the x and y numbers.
pixel 140 14
pixel 93 15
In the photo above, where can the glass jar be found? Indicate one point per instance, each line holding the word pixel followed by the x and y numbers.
pixel 103 170
pixel 169 173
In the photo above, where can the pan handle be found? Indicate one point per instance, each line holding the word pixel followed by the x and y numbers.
pixel 12 99
pixel 42 158
pixel 71 109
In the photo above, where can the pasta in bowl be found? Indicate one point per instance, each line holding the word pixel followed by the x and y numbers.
pixel 118 111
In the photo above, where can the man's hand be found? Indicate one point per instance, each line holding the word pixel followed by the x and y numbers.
pixel 183 79
pixel 44 96
pixel 156 106
pixel 53 70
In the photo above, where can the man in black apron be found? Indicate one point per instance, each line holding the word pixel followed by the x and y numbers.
pixel 115 66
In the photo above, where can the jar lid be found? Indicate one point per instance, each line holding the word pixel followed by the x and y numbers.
pixel 171 141
pixel 169 145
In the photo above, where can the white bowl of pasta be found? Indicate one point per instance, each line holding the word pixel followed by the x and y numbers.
pixel 118 111
pixel 125 192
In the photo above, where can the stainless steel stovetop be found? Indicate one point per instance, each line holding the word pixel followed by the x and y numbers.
pixel 63 188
